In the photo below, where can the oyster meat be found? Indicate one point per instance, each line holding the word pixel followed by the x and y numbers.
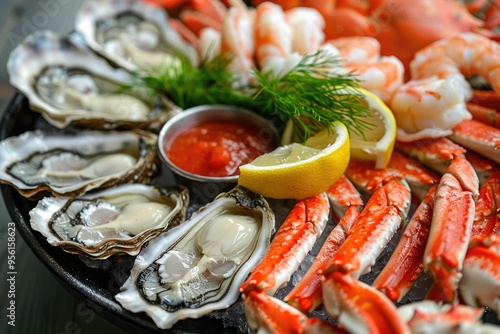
pixel 199 266
pixel 40 163
pixel 68 84
pixel 133 34
pixel 111 222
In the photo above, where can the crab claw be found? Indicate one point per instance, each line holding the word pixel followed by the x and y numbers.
pixel 359 307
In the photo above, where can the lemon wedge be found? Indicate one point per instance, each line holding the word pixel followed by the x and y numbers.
pixel 378 141
pixel 299 171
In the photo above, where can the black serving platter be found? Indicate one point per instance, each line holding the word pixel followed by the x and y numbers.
pixel 96 287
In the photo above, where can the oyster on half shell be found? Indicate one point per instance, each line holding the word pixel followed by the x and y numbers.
pixel 68 84
pixel 199 266
pixel 133 34
pixel 111 222
pixel 39 163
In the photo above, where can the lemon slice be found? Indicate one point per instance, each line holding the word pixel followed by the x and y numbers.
pixel 300 171
pixel 378 141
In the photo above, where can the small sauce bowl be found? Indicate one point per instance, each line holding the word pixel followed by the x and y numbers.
pixel 266 133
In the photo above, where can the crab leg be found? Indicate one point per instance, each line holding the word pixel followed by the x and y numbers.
pixel 406 262
pixel 342 196
pixel 408 257
pixel 481 165
pixel 480 284
pixel 487 214
pixel 486 98
pixel 484 107
pixel 436 154
pixel 267 314
pixel 451 225
pixel 382 216
pixel 487 217
pixel 359 307
pixel 307 294
pixel 454 210
pixel 290 245
pixel 484 114
pixel 365 176
pixel 478 137
pixel 419 178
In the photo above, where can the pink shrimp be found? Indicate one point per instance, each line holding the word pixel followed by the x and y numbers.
pixel 361 56
pixel 382 77
pixel 237 40
pixel 460 56
pixel 273 35
pixel 307 29
pixel 357 49
pixel 428 108
pixel 209 45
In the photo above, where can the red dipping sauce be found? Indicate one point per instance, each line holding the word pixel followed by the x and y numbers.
pixel 216 148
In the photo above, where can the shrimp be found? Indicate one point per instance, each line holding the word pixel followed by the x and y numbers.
pixel 458 57
pixel 361 56
pixel 307 29
pixel 428 108
pixel 382 77
pixel 357 49
pixel 273 35
pixel 237 40
pixel 210 40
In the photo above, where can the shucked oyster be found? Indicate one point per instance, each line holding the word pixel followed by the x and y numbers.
pixel 133 34
pixel 68 84
pixel 38 163
pixel 199 266
pixel 114 221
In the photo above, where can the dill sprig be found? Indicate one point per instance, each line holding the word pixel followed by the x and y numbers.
pixel 187 86
pixel 313 94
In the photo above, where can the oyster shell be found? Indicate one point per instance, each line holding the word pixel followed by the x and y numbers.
pixel 112 222
pixel 68 84
pixel 199 266
pixel 132 34
pixel 40 163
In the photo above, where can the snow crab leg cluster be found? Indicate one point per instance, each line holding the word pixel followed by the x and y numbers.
pixel 333 278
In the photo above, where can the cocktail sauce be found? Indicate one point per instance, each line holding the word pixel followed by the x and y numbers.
pixel 217 148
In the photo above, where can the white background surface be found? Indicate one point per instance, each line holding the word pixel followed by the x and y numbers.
pixel 42 304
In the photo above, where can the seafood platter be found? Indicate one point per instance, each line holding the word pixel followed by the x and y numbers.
pixel 358 189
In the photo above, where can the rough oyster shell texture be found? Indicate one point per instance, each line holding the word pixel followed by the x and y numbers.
pixel 132 34
pixel 41 163
pixel 69 85
pixel 198 267
pixel 112 222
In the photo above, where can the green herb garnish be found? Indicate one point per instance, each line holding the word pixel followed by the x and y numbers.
pixel 311 93
pixel 314 95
